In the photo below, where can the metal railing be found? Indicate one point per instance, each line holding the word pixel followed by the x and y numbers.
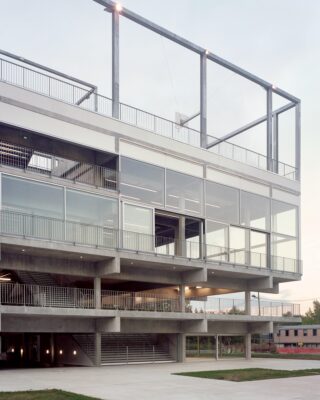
pixel 88 99
pixel 139 301
pixel 15 223
pixel 28 159
pixel 46 296
pixel 226 306
pixel 17 294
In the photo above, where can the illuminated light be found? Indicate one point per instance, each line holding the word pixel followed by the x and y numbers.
pixel 60 352
pixel 207 52
pixel 187 288
pixel 274 87
pixel 23 250
pixel 12 350
pixel 198 287
pixel 25 137
pixel 4 279
pixel 81 257
pixel 47 351
pixel 74 352
pixel 21 352
pixel 118 7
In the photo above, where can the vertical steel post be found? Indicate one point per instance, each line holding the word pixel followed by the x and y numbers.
pixel 269 129
pixel 115 64
pixel 298 141
pixel 275 143
pixel 203 100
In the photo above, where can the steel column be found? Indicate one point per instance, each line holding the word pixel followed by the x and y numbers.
pixel 298 142
pixel 275 143
pixel 203 99
pixel 269 129
pixel 115 65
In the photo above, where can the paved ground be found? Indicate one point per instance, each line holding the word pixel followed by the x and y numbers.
pixel 156 382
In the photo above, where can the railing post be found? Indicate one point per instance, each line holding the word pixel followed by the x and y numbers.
pixel 127 348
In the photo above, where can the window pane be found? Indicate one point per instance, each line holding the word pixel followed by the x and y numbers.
pixel 91 219
pixel 90 209
pixel 284 218
pixel 142 181
pixel 284 253
pixel 32 197
pixel 237 245
pixel 184 192
pixel 255 211
pixel 217 241
pixel 137 228
pixel 222 203
pixel 258 249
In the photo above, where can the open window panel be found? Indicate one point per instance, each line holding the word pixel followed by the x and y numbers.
pixel 179 235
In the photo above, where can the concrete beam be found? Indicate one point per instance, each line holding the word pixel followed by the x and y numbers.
pixel 260 284
pixel 194 277
pixel 108 267
pixel 108 325
pixel 197 326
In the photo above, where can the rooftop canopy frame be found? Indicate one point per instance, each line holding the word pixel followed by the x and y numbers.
pixel 271 117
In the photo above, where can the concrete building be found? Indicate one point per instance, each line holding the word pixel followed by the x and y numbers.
pixel 120 229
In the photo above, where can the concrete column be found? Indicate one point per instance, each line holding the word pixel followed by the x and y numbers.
pixel 52 353
pixel 181 347
pixel 248 346
pixel 248 303
pixel 97 292
pixel 217 347
pixel 97 349
pixel 181 237
pixel 182 297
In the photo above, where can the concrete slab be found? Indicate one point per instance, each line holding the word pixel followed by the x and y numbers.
pixel 156 382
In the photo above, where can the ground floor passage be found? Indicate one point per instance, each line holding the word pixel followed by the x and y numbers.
pixel 24 350
pixel 133 382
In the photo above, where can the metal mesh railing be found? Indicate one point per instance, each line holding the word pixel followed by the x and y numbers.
pixel 46 296
pixel 46 164
pixel 40 227
pixel 88 99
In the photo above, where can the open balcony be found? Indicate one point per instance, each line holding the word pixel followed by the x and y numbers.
pixel 15 294
pixel 74 233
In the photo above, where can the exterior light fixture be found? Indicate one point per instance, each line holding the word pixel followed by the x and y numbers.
pixel 21 352
pixel 23 250
pixel 47 351
pixel 118 7
pixel 12 350
pixel 60 352
pixel 74 352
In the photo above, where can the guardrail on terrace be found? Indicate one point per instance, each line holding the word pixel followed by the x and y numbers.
pixel 15 223
pixel 62 90
pixel 28 159
pixel 69 297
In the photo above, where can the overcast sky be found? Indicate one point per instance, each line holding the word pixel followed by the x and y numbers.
pixel 278 40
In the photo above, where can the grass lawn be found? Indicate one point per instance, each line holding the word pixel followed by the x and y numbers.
pixel 250 374
pixel 43 395
pixel 262 355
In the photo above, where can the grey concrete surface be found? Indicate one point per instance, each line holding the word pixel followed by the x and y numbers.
pixel 156 382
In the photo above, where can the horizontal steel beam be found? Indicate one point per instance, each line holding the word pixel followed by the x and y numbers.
pixel 186 120
pixel 111 5
pixel 85 96
pixel 251 125
pixel 47 69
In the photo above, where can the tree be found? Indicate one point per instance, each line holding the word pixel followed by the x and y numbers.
pixel 312 316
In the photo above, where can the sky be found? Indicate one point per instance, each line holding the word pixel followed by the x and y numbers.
pixel 277 40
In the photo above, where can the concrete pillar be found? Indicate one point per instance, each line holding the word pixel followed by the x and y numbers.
pixel 52 353
pixel 217 347
pixel 97 349
pixel 181 347
pixel 248 303
pixel 181 237
pixel 248 346
pixel 182 297
pixel 97 292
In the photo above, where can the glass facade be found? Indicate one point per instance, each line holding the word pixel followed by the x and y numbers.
pixel 184 193
pixel 31 197
pixel 217 240
pixel 238 247
pixel 141 181
pixel 258 248
pixel 284 218
pixel 138 225
pixel 222 203
pixel 255 211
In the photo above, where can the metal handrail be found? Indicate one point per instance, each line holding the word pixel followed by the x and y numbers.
pixel 92 101
pixel 14 223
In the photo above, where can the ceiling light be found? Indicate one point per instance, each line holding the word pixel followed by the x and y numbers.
pixel 60 352
pixel 198 287
pixel 74 352
pixel 47 351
